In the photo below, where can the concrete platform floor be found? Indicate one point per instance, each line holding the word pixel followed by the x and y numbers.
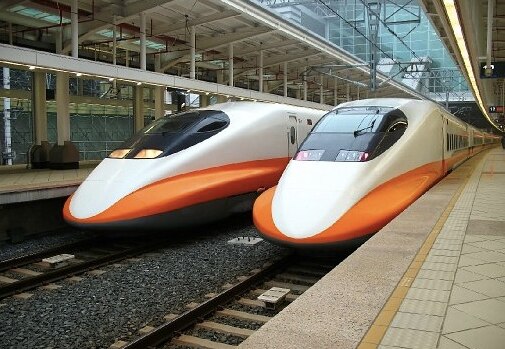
pixel 18 184
pixel 434 277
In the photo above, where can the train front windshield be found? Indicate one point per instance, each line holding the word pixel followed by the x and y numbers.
pixel 172 134
pixel 353 134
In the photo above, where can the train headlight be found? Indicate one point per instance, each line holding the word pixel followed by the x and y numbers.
pixel 119 153
pixel 148 154
pixel 309 155
pixel 351 155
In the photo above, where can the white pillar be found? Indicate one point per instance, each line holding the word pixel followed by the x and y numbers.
pixel 157 63
pixel 305 86
pixel 230 64
pixel 348 92
pixel 335 92
pixel 285 79
pixel 490 10
pixel 74 17
pixel 62 107
pixel 159 102
pixel 114 43
pixel 127 58
pixel 357 94
pixel 192 71
pixel 260 81
pixel 10 34
pixel 7 117
pixel 321 90
pixel 39 107
pixel 143 41
pixel 138 107
pixel 59 40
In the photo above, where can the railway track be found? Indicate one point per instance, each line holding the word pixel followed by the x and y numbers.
pixel 228 318
pixel 18 275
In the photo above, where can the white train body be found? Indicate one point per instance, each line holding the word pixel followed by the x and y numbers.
pixel 323 201
pixel 196 175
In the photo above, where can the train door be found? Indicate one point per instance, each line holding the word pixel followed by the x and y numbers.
pixel 292 133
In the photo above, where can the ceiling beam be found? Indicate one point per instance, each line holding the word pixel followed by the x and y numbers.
pixel 195 21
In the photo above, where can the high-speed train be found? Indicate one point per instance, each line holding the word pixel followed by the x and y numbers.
pixel 363 163
pixel 191 168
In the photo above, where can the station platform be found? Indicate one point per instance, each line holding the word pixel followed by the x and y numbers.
pixel 19 184
pixel 434 277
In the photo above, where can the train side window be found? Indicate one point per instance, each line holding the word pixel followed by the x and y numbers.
pixel 292 135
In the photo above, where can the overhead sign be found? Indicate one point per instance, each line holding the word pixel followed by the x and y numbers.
pixel 498 70
pixel 496 108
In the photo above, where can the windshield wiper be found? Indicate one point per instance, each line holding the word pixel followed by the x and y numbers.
pixel 360 131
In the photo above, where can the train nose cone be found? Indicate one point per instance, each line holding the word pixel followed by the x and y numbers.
pixel 304 213
pixel 109 182
pixel 312 195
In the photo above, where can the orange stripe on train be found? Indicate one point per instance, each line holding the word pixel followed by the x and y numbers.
pixel 190 189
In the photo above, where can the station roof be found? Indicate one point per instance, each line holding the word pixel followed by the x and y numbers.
pixel 463 25
pixel 247 25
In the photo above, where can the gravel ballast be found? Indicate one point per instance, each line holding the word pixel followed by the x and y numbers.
pixel 99 310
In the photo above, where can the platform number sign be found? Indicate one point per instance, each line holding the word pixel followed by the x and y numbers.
pixel 496 108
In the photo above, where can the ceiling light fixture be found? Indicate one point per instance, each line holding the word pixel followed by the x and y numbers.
pixel 452 14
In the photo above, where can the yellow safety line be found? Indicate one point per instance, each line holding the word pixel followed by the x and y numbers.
pixel 376 332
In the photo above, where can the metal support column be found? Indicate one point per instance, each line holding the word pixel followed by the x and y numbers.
pixel 285 79
pixel 143 42
pixel 373 9
pixel 7 141
pixel 260 74
pixel 192 72
pixel 230 64
pixel 305 86
pixel 335 92
pixel 74 17
pixel 321 90
pixel 138 107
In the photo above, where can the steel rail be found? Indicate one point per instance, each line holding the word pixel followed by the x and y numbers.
pixel 78 268
pixel 166 331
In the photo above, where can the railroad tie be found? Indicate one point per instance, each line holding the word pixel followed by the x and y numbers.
pixel 242 315
pixel 294 287
pixel 196 342
pixel 227 329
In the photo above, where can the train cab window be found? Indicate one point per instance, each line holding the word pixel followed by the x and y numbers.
pixel 213 126
pixel 359 133
pixel 397 126
pixel 172 134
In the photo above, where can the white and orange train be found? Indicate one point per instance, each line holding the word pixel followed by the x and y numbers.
pixel 192 168
pixel 363 163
